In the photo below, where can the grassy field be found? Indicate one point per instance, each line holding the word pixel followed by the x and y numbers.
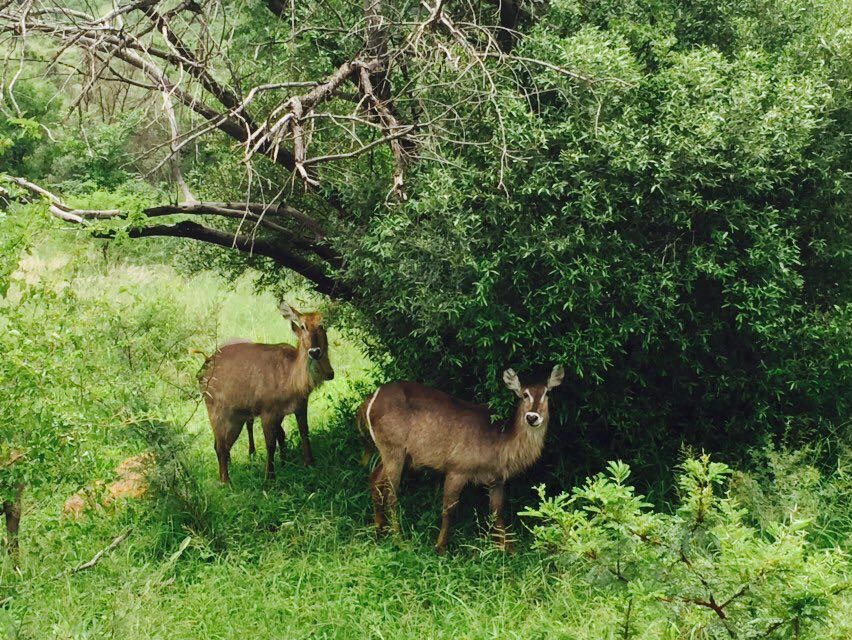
pixel 292 558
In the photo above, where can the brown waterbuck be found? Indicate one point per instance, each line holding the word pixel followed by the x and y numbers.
pixel 247 379
pixel 12 510
pixel 12 506
pixel 421 427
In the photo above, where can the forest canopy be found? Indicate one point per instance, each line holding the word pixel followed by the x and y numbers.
pixel 653 193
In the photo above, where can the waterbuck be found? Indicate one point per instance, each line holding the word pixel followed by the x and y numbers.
pixel 12 506
pixel 412 424
pixel 12 511
pixel 247 379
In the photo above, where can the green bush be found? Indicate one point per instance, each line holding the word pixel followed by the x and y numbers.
pixel 83 359
pixel 782 481
pixel 676 232
pixel 701 571
pixel 672 226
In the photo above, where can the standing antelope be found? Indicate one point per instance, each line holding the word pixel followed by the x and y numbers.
pixel 247 379
pixel 11 507
pixel 12 511
pixel 426 428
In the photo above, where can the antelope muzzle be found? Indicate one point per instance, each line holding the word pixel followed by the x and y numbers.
pixel 533 419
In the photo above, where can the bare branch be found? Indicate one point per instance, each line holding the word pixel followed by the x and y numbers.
pixel 393 128
pixel 255 211
pixel 100 554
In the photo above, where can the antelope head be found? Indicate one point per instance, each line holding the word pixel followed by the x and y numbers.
pixel 313 340
pixel 533 398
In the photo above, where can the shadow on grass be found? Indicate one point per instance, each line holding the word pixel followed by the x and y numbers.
pixel 302 509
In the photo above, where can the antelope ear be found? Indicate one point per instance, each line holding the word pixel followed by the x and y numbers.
pixel 289 313
pixel 512 382
pixel 556 376
pixel 292 314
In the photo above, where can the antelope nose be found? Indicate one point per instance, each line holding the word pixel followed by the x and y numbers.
pixel 533 419
pixel 315 353
pixel 331 375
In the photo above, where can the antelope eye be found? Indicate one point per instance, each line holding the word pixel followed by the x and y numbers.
pixel 527 394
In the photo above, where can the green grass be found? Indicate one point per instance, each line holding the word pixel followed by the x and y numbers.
pixel 295 557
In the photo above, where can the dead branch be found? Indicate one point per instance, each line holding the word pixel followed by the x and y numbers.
pixel 100 554
pixel 279 248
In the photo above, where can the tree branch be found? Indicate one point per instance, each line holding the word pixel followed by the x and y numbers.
pixel 100 554
pixel 186 59
pixel 248 244
pixel 279 248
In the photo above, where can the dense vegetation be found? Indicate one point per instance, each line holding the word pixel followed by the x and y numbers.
pixel 653 193
pixel 676 232
pixel 100 344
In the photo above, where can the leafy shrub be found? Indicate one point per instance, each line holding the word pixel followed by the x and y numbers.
pixel 83 359
pixel 99 162
pixel 701 571
pixel 673 232
pixel 781 481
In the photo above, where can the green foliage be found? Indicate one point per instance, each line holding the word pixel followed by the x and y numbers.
pixel 24 135
pixel 297 556
pixel 98 361
pixel 672 230
pixel 782 481
pixel 80 360
pixel 80 154
pixel 701 571
pixel 668 219
pixel 97 161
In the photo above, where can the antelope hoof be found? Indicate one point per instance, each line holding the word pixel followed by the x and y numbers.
pixel 440 549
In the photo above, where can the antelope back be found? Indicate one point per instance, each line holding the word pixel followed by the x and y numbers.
pixel 248 377
pixel 429 428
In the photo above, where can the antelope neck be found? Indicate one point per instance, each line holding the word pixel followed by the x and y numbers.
pixel 302 377
pixel 523 443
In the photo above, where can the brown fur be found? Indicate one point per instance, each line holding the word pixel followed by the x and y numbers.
pixel 12 508
pixel 421 427
pixel 247 379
